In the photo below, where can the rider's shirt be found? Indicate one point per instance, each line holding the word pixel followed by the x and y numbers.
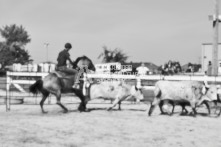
pixel 62 58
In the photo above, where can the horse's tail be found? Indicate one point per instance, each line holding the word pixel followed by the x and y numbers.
pixel 36 87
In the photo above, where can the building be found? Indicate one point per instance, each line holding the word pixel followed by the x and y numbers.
pixel 207 50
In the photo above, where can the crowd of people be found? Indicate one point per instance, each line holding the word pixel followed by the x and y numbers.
pixel 174 67
pixel 170 68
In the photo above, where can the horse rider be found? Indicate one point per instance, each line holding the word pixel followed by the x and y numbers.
pixel 63 57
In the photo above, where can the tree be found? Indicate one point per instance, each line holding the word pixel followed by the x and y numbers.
pixel 12 50
pixel 115 55
pixel 6 57
pixel 15 35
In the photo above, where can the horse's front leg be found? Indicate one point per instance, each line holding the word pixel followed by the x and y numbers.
pixel 82 107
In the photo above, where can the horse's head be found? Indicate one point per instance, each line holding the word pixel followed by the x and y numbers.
pixel 84 63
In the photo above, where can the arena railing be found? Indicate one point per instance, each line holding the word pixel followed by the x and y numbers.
pixel 12 78
pixel 17 79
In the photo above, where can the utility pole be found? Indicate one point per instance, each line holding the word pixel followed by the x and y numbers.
pixel 46 45
pixel 215 39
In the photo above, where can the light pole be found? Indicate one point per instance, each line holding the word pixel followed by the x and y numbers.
pixel 216 19
pixel 46 45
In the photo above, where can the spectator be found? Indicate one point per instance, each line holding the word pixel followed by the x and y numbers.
pixel 190 68
pixel 219 68
pixel 164 69
pixel 142 70
pixel 177 67
pixel 170 68
pixel 209 69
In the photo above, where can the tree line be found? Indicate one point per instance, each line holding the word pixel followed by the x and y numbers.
pixel 12 48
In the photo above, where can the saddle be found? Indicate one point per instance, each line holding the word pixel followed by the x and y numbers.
pixel 63 75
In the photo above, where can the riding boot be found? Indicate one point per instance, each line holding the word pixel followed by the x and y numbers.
pixel 77 83
pixel 76 86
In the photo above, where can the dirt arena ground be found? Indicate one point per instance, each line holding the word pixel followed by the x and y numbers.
pixel 26 126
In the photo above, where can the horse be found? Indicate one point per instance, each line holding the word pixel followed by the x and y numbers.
pixel 58 82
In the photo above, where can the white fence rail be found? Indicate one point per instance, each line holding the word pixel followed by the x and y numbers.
pixel 157 77
pixel 139 79
pixel 16 82
pixel 11 80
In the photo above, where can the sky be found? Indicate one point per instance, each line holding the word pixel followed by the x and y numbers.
pixel 146 30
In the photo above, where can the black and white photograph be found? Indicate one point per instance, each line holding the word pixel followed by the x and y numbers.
pixel 110 73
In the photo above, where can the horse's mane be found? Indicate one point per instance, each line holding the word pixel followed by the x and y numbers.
pixel 80 58
pixel 91 66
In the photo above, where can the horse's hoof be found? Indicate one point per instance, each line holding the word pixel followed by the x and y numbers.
pixel 86 110
pixel 163 113
pixel 192 114
pixel 170 114
pixel 109 109
pixel 66 111
pixel 81 109
pixel 44 112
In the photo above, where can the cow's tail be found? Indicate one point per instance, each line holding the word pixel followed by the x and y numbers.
pixel 36 87
pixel 157 92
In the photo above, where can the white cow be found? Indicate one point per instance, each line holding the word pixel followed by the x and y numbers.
pixel 193 92
pixel 114 90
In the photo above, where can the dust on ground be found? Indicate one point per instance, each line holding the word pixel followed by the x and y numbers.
pixel 26 126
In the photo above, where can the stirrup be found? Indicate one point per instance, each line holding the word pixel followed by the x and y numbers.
pixel 76 86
